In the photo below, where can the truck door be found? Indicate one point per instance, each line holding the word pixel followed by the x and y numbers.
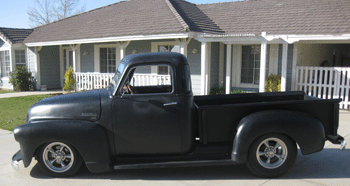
pixel 146 114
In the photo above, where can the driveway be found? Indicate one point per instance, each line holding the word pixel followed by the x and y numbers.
pixel 328 167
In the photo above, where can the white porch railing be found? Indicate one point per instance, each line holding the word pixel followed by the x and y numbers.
pixel 325 82
pixel 150 80
pixel 89 81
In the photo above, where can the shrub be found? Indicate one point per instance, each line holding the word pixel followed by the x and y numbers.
pixel 69 81
pixel 238 91
pixel 217 91
pixel 273 83
pixel 21 79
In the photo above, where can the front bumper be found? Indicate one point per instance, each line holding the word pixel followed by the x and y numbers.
pixel 337 140
pixel 15 160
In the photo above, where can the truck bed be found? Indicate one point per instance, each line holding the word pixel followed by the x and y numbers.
pixel 219 115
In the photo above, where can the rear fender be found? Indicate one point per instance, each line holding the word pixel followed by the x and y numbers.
pixel 88 138
pixel 304 129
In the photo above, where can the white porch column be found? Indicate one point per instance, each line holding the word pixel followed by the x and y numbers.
pixel 122 47
pixel 38 74
pixel 228 69
pixel 263 64
pixel 204 68
pixel 76 57
pixel 294 65
pixel 284 67
pixel 183 45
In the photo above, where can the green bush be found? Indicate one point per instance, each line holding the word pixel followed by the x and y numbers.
pixel 21 79
pixel 273 83
pixel 238 91
pixel 69 81
pixel 217 91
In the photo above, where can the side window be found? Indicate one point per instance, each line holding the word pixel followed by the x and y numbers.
pixel 142 81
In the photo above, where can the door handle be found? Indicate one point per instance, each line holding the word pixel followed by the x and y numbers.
pixel 170 104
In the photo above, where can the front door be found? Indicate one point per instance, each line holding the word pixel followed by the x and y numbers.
pixel 147 115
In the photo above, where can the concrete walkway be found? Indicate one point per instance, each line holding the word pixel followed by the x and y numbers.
pixel 29 93
pixel 328 167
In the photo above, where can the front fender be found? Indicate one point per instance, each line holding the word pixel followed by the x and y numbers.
pixel 88 138
pixel 304 129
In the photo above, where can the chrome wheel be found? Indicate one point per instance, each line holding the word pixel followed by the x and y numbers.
pixel 58 157
pixel 271 153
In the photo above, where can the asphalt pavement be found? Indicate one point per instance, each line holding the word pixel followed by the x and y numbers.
pixel 328 167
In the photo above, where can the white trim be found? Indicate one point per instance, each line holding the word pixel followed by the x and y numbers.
pixel 228 69
pixel 221 64
pixel 38 72
pixel 204 58
pixel 113 39
pixel 97 55
pixel 295 59
pixel 75 48
pixel 122 47
pixel 237 69
pixel 5 41
pixel 284 67
pixel 154 48
pixel 273 59
pixel 272 39
pixel 263 64
pixel 236 65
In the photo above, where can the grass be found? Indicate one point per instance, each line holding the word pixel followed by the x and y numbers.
pixel 5 91
pixel 13 111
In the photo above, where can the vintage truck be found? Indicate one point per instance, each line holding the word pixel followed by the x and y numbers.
pixel 159 123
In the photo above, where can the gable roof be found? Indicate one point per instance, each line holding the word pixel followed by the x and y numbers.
pixel 14 35
pixel 299 17
pixel 147 17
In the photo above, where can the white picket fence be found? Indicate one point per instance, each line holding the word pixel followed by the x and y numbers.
pixel 325 82
pixel 89 81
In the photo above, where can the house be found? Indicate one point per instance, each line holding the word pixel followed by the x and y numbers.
pixel 225 43
pixel 12 52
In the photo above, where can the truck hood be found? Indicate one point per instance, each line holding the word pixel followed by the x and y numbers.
pixel 78 106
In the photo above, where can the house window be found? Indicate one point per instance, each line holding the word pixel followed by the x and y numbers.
pixel 250 71
pixel 107 60
pixel 20 58
pixel 5 63
pixel 164 70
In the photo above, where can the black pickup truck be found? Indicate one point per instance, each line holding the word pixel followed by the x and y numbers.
pixel 157 122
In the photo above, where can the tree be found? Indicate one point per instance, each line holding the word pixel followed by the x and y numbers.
pixel 47 11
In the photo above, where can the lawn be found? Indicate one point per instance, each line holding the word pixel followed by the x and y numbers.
pixel 13 111
pixel 5 91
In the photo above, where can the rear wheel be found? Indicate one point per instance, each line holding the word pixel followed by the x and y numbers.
pixel 271 155
pixel 59 159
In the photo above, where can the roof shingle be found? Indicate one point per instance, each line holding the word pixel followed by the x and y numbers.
pixel 281 16
pixel 15 35
pixel 142 17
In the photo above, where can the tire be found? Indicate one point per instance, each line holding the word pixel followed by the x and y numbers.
pixel 271 155
pixel 58 159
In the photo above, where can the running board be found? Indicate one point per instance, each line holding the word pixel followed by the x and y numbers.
pixel 176 164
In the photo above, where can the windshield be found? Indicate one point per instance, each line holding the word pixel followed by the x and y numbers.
pixel 118 76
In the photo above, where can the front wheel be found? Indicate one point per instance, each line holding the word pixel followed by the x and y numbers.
pixel 58 159
pixel 271 155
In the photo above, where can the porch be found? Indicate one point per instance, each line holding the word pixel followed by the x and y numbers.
pixel 89 81
pixel 324 82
